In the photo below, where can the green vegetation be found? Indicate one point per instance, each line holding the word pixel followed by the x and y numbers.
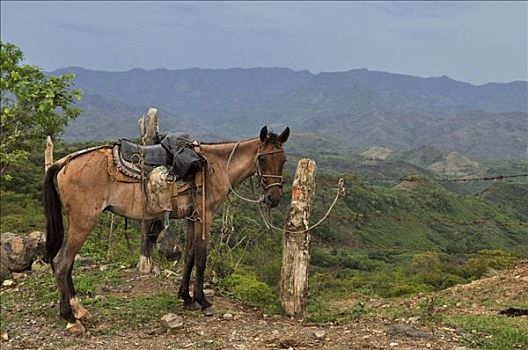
pixel 387 241
pixel 33 106
pixel 494 332
pixel 248 288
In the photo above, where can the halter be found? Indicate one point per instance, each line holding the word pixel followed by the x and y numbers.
pixel 262 177
pixel 258 173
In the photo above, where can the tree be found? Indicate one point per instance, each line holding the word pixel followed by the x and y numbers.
pixel 33 105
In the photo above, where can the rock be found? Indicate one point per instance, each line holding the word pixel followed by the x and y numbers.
pixel 103 268
pixel 17 276
pixel 84 260
pixel 227 316
pixel 156 270
pixel 36 266
pixel 414 319
pixel 320 333
pixel 408 331
pixel 8 283
pixel 126 288
pixel 5 336
pixel 393 344
pixel 209 292
pixel 18 252
pixel 102 289
pixel 172 322
pixel 169 272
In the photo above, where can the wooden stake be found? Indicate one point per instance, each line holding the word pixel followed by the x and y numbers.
pixel 296 244
pixel 148 127
pixel 48 154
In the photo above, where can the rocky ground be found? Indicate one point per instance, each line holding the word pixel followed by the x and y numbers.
pixel 127 310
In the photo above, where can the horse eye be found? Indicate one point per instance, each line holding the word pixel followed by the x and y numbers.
pixel 262 161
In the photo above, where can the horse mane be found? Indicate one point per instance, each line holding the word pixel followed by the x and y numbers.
pixel 272 138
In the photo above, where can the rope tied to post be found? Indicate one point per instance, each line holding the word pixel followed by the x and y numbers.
pixel 340 192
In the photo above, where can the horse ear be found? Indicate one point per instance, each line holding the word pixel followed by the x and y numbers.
pixel 264 133
pixel 283 137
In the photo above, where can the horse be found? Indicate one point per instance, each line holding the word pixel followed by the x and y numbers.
pixel 82 184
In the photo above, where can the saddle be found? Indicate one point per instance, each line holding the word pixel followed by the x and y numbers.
pixel 176 152
pixel 152 155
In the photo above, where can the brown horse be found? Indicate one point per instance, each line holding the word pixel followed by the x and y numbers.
pixel 81 183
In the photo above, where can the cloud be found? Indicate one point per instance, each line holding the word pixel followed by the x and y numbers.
pixel 424 32
pixel 220 18
pixel 87 29
pixel 423 10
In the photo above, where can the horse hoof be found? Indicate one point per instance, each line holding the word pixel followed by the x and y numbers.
pixel 209 311
pixel 76 328
pixel 192 306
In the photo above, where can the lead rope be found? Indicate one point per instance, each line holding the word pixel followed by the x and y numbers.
pixel 229 180
pixel 340 191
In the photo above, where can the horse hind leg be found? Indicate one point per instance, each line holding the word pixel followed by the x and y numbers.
pixel 70 308
pixel 63 266
pixel 79 311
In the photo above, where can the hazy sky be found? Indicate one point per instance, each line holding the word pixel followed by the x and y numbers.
pixel 476 42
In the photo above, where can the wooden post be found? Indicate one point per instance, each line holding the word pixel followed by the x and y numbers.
pixel 48 154
pixel 296 244
pixel 148 127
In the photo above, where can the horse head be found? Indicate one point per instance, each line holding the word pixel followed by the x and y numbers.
pixel 270 163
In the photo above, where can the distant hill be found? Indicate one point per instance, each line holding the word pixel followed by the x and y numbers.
pixel 361 108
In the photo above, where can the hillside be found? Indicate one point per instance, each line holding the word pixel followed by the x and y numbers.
pixel 127 309
pixel 360 108
pixel 380 266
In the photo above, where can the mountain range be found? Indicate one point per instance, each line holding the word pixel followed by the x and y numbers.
pixel 353 109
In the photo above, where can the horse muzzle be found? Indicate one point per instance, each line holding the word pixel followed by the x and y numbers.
pixel 272 197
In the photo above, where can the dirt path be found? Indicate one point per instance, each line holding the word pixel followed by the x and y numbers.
pixel 33 323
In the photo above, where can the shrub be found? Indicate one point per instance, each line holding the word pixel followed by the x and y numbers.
pixel 486 260
pixel 249 289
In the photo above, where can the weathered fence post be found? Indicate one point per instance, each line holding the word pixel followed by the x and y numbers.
pixel 148 127
pixel 296 241
pixel 48 154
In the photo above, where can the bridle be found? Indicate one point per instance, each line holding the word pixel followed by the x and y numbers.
pixel 261 176
pixel 258 173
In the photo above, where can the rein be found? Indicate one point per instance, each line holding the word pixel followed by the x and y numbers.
pixel 340 191
pixel 258 174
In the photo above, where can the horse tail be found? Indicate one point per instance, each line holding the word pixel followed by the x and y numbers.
pixel 53 212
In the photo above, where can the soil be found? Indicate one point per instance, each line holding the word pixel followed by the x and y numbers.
pixel 238 326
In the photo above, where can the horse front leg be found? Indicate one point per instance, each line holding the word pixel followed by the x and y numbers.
pixel 150 230
pixel 183 292
pixel 200 261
